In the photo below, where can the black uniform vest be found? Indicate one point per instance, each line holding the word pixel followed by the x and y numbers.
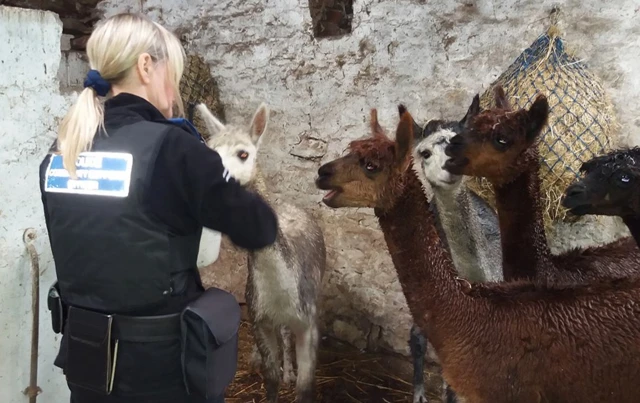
pixel 110 253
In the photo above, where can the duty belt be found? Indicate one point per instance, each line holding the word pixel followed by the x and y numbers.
pixel 146 329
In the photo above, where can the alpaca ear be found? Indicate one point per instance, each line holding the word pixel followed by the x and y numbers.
pixel 404 140
pixel 214 126
pixel 417 130
pixel 501 98
pixel 376 129
pixel 537 116
pixel 259 123
pixel 473 110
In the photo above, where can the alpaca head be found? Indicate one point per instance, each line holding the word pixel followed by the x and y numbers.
pixel 237 146
pixel 493 141
pixel 609 186
pixel 429 156
pixel 371 173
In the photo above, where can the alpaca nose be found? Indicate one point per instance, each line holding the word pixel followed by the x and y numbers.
pixel 456 140
pixel 326 170
pixel 575 190
pixel 454 147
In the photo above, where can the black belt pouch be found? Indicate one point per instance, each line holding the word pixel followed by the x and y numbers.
pixel 57 308
pixel 210 342
pixel 91 352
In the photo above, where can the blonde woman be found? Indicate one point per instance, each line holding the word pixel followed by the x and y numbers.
pixel 126 193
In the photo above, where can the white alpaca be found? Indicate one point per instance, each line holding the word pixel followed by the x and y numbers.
pixel 468 226
pixel 471 227
pixel 285 278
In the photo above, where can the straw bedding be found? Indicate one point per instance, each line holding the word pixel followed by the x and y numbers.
pixel 581 124
pixel 344 374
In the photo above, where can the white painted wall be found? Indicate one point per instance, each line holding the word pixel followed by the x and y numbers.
pixel 31 103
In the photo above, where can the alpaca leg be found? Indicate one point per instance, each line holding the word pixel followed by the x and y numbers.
pixel 418 347
pixel 255 361
pixel 288 375
pixel 267 340
pixel 448 395
pixel 306 356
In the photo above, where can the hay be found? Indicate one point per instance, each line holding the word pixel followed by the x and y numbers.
pixel 581 125
pixel 198 86
pixel 344 374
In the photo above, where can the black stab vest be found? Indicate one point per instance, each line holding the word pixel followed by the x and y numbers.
pixel 110 253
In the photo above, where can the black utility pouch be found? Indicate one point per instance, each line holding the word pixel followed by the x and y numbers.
pixel 91 354
pixel 57 308
pixel 210 342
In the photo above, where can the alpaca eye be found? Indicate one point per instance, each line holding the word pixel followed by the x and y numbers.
pixel 425 154
pixel 243 155
pixel 501 141
pixel 371 167
pixel 624 178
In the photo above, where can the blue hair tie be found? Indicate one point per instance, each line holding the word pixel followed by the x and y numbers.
pixel 95 81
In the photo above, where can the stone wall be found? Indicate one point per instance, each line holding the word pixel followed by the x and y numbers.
pixel 32 105
pixel 432 56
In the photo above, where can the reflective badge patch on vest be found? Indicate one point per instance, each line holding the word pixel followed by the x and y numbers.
pixel 99 174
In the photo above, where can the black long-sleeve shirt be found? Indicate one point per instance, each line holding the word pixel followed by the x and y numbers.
pixel 189 189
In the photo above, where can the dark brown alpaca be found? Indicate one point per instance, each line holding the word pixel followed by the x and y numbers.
pixel 500 145
pixel 611 186
pixel 370 179
pixel 507 343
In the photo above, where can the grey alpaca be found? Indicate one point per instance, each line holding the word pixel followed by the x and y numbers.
pixel 469 225
pixel 285 279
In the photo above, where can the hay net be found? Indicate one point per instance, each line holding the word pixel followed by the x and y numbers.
pixel 581 117
pixel 198 86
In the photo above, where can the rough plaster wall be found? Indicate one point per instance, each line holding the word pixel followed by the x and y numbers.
pixel 29 91
pixel 433 56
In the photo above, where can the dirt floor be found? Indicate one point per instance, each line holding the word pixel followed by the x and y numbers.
pixel 344 374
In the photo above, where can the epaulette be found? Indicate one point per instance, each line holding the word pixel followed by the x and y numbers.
pixel 188 126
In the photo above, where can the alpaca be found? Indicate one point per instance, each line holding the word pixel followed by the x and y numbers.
pixel 499 343
pixel 500 145
pixel 467 222
pixel 285 278
pixel 609 187
pixel 470 227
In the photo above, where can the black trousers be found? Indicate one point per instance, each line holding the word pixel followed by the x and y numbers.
pixel 150 371
pixel 79 395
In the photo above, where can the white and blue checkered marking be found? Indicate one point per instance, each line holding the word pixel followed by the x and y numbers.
pixel 99 174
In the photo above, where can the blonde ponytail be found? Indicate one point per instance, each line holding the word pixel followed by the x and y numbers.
pixel 113 50
pixel 79 127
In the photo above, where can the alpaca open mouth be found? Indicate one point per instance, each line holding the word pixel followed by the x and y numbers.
pixel 581 209
pixel 332 193
pixel 456 165
pixel 323 183
pixel 576 204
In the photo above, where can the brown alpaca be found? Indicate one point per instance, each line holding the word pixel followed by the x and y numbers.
pixel 517 342
pixel 609 187
pixel 500 145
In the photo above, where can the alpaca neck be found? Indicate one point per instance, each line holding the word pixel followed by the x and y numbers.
pixel 633 223
pixel 258 184
pixel 456 219
pixel 524 245
pixel 424 268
